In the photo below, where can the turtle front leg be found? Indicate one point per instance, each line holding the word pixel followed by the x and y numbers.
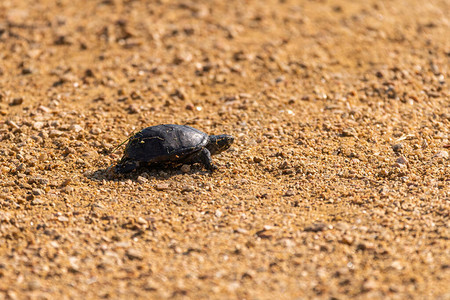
pixel 204 157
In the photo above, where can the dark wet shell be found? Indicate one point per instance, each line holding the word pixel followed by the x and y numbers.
pixel 165 143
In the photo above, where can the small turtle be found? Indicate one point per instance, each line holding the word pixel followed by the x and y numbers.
pixel 170 145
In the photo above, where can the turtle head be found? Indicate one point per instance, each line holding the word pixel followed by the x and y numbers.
pixel 219 143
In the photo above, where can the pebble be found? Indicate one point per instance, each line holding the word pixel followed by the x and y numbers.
pixel 349 132
pixel 142 180
pixel 257 159
pixel 185 168
pixel 397 147
pixel 401 160
pixel 187 188
pixel 26 71
pixel 11 295
pixel 76 128
pixel 316 227
pixel 16 101
pixel 20 167
pixel 369 285
pixel 67 189
pixel 39 180
pixel 66 182
pixel 162 187
pixel 366 246
pixel 96 130
pixel 289 193
pixel 55 133
pixel 63 219
pixel 74 263
pixel 441 154
pixel 33 285
pixel 141 221
pixel 12 124
pixel 347 239
pixel 135 95
pixel 44 109
pixel 37 192
pixel 37 202
pixel 150 285
pixel 182 57
pixel 43 134
pixel 244 96
pixel 266 233
pixel 134 109
pixel 383 191
pixel 218 213
pixel 132 253
pixel 397 265
pixel 241 230
pixel 38 125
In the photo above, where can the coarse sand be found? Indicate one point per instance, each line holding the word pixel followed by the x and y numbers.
pixel 337 185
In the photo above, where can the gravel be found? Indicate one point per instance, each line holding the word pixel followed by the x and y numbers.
pixel 337 185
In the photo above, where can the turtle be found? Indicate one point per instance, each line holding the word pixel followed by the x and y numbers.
pixel 169 144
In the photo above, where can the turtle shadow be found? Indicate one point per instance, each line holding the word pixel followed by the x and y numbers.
pixel 158 173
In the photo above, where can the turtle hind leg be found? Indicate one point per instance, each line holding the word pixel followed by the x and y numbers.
pixel 126 166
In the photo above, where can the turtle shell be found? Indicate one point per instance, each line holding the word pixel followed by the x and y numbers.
pixel 164 143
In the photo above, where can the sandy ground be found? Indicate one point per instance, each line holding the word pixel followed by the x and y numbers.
pixel 337 185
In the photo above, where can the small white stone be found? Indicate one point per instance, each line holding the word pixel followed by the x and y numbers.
pixel 63 219
pixel 12 124
pixel 162 187
pixel 141 221
pixel 441 154
pixel 38 125
pixel 76 128
pixel 44 109
pixel 96 130
pixel 134 254
pixel 55 133
pixel 187 188
pixel 142 180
